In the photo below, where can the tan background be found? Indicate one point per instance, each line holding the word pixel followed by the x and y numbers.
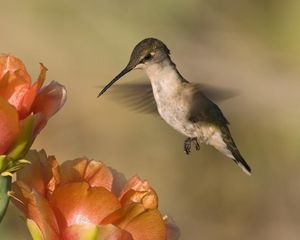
pixel 251 46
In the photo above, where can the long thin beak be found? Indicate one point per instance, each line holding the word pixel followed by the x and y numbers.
pixel 121 74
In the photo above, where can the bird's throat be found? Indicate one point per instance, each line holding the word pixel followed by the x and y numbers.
pixel 164 77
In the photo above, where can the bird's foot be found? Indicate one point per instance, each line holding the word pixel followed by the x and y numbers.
pixel 188 145
pixel 197 145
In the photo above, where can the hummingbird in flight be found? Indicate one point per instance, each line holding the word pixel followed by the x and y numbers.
pixel 182 104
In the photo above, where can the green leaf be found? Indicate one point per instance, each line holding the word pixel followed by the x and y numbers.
pixel 3 162
pixel 24 141
pixel 14 166
pixel 5 186
pixel 34 230
pixel 24 161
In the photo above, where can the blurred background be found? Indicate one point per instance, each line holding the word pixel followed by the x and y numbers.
pixel 252 46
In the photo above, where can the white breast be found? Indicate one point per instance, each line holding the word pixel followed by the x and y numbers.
pixel 171 98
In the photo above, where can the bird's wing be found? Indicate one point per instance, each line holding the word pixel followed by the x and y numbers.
pixel 204 110
pixel 137 96
pixel 214 93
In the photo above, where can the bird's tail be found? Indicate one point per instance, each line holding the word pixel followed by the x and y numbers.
pixel 231 150
pixel 240 161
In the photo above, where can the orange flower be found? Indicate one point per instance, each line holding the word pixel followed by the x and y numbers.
pixel 24 108
pixel 84 199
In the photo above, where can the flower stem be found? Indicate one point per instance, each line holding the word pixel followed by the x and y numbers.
pixel 5 186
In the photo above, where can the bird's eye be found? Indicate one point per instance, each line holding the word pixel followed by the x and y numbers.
pixel 147 57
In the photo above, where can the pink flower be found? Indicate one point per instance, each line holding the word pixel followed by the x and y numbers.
pixel 24 107
pixel 84 199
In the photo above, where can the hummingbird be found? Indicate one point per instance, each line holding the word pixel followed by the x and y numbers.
pixel 182 104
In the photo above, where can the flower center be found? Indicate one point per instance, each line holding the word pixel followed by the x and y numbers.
pixel 81 219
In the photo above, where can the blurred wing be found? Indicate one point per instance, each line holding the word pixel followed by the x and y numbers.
pixel 137 96
pixel 214 93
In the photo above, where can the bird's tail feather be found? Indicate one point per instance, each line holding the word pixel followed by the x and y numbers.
pixel 234 154
pixel 239 160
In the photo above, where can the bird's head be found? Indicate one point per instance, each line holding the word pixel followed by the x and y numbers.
pixel 145 53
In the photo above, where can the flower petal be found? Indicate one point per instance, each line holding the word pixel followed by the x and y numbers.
pixel 9 125
pixel 141 223
pixel 93 172
pixel 14 80
pixel 135 183
pixel 41 174
pixel 10 63
pixel 173 232
pixel 36 208
pixel 111 232
pixel 48 101
pixel 13 87
pixel 139 191
pixel 77 203
pixel 147 226
pixel 121 217
pixel 81 232
pixel 89 231
pixel 31 94
pixel 148 198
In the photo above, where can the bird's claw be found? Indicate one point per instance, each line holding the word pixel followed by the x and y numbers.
pixel 188 145
pixel 197 145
